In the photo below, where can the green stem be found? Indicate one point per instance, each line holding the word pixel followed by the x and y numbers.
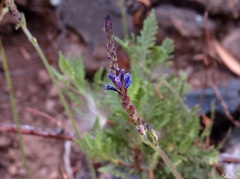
pixel 167 161
pixel 14 109
pixel 35 44
pixel 123 19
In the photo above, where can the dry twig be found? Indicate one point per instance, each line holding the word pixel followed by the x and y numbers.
pixel 31 130
pixel 224 106
pixel 44 115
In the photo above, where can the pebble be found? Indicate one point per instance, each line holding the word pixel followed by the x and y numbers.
pixel 53 92
pixel 13 170
pixel 4 142
pixel 43 77
pixel 53 175
pixel 32 89
pixel 50 105
pixel 12 154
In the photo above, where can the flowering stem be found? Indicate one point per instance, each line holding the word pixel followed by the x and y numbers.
pixel 121 82
pixel 167 161
pixel 14 110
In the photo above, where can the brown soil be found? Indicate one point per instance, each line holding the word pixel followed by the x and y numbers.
pixel 32 87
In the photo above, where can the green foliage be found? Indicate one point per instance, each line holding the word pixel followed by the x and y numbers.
pixel 100 141
pixel 158 102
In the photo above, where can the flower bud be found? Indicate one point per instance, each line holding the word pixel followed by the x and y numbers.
pixel 151 135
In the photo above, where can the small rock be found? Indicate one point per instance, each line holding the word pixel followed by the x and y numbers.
pixel 43 171
pixel 232 43
pixel 27 116
pixel 12 154
pixel 4 142
pixel 50 105
pixel 53 92
pixel 21 171
pixel 53 175
pixel 19 94
pixel 13 170
pixel 43 77
pixel 32 89
pixel 6 89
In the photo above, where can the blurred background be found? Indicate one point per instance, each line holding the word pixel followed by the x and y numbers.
pixel 206 35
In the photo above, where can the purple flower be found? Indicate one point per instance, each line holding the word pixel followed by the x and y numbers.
pixel 127 80
pixel 109 87
pixel 118 82
pixel 111 77
pixel 121 81
pixel 122 76
pixel 128 84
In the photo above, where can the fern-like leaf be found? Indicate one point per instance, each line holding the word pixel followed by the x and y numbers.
pixel 147 37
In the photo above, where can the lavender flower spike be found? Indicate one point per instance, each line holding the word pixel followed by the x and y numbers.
pixel 121 83
pixel 111 49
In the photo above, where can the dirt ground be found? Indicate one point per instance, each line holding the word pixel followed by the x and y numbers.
pixel 56 29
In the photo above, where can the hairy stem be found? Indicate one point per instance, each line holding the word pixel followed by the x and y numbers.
pixel 167 161
pixel 14 109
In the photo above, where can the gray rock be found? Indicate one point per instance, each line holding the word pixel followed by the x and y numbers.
pixel 229 8
pixel 186 22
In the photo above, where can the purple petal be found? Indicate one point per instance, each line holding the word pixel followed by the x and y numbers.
pixel 126 78
pixel 122 76
pixel 126 85
pixel 111 77
pixel 108 87
pixel 118 82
